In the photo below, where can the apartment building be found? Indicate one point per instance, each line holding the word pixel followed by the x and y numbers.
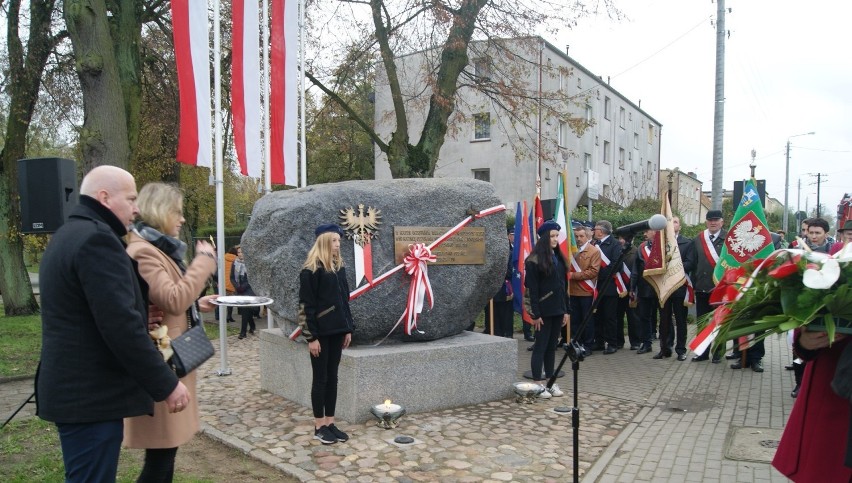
pixel 559 116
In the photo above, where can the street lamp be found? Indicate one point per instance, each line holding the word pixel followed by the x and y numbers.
pixel 787 181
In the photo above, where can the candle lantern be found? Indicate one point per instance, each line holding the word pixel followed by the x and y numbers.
pixel 388 414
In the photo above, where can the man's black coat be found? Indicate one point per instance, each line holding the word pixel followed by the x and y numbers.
pixel 97 361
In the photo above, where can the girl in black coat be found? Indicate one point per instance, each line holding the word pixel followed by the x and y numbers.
pixel 327 324
pixel 547 290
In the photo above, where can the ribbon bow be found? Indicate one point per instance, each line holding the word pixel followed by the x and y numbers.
pixel 420 289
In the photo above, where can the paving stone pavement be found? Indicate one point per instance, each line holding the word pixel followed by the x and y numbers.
pixel 640 420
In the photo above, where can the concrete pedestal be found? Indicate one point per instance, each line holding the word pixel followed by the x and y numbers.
pixel 465 369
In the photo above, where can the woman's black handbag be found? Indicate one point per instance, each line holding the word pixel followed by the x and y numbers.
pixel 191 349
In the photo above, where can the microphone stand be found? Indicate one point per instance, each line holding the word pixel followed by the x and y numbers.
pixel 575 353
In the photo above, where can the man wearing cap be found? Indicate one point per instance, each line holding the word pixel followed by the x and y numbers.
pixel 584 269
pixel 708 246
pixel 605 321
pixel 844 235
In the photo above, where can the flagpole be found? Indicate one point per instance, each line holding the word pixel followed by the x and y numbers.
pixel 267 151
pixel 302 147
pixel 224 370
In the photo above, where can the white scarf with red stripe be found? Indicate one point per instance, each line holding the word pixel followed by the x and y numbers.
pixel 591 285
pixel 709 249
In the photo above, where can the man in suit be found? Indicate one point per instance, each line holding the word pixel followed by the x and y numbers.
pixel 626 305
pixel 708 247
pixel 644 295
pixel 98 364
pixel 675 307
pixel 605 315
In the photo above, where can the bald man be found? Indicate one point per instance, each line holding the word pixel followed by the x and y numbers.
pixel 98 364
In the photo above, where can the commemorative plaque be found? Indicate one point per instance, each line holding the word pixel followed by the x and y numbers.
pixel 465 248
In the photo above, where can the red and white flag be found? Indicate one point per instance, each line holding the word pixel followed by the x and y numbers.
pixel 189 27
pixel 245 87
pixel 283 96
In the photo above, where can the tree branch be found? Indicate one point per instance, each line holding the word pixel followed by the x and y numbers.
pixel 355 117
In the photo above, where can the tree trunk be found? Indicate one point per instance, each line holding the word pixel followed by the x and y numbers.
pixel 442 103
pixel 25 75
pixel 104 135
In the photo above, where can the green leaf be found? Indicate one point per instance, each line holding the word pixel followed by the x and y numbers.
pixel 839 303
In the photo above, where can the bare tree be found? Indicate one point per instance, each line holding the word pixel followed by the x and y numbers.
pixel 387 31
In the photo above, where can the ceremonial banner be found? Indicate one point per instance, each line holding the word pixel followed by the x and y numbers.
pixel 539 213
pixel 748 237
pixel 664 267
pixel 567 243
pixel 195 133
pixel 520 251
pixel 284 90
pixel 245 86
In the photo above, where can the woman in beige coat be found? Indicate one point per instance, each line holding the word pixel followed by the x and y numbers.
pixel 174 288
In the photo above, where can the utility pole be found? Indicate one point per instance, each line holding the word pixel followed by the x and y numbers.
pixel 787 178
pixel 819 179
pixel 719 107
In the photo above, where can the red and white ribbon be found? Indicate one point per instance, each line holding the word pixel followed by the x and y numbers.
pixel 421 256
pixel 420 289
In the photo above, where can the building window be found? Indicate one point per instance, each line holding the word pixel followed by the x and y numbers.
pixel 650 133
pixel 636 140
pixel 562 135
pixel 622 114
pixel 577 181
pixel 630 116
pixel 547 174
pixel 587 161
pixel 597 141
pixel 607 107
pixel 621 158
pixel 606 155
pixel 561 80
pixel 579 82
pixel 649 170
pixel 482 174
pixel 588 112
pixel 482 126
pixel 482 69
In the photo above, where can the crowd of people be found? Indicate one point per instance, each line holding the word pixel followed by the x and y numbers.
pixel 117 270
pixel 633 309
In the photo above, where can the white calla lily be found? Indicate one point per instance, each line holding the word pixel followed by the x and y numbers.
pixel 823 278
pixel 845 253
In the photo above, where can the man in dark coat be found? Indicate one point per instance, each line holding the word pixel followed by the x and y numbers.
pixel 605 315
pixel 708 246
pixel 98 363
pixel 675 306
pixel 644 295
pixel 625 308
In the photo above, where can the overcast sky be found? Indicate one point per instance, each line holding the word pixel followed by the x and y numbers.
pixel 787 72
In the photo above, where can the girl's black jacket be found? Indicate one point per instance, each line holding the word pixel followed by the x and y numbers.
pixel 546 295
pixel 324 303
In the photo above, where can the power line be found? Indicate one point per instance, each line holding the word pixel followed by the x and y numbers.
pixel 663 47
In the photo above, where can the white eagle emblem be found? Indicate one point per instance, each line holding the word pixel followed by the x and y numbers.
pixel 361 226
pixel 747 238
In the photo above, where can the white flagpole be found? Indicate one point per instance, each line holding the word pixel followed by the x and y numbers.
pixel 302 148
pixel 224 370
pixel 267 152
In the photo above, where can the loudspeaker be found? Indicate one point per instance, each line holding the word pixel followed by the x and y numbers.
pixel 738 193
pixel 48 189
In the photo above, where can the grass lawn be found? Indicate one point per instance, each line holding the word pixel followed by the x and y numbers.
pixel 20 341
pixel 20 344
